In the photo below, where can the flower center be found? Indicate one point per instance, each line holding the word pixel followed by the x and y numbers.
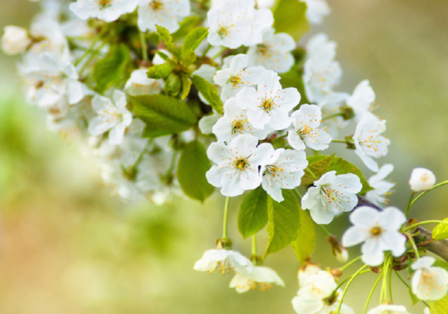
pixel 262 50
pixel 267 105
pixel 238 126
pixel 271 170
pixel 235 80
pixel 105 3
pixel 156 5
pixel 376 231
pixel 331 299
pixel 223 31
pixel 242 164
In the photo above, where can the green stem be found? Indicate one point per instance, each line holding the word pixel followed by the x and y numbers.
pixel 339 141
pixel 411 239
pixel 339 114
pixel 409 204
pixel 299 196
pixel 205 53
pixel 219 53
pixel 254 245
pixel 142 154
pixel 423 193
pixel 348 278
pixel 338 310
pixel 371 293
pixel 325 230
pixel 144 47
pixel 426 222
pixel 92 54
pixel 226 214
pixel 383 295
pixel 390 287
pixel 350 263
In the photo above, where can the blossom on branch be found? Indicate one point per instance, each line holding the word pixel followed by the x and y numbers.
pixel 429 282
pixel 260 276
pixel 225 261
pixel 106 10
pixel 421 179
pixel 166 13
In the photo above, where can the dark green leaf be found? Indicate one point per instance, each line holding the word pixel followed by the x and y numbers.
pixel 161 71
pixel 162 114
pixel 306 239
pixel 284 222
pixel 193 164
pixel 110 69
pixel 193 40
pixel 186 86
pixel 290 17
pixel 168 40
pixel 253 214
pixel 186 26
pixel 210 93
pixel 440 306
pixel 440 232
pixel 317 166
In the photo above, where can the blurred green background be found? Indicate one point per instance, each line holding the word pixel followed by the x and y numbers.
pixel 66 247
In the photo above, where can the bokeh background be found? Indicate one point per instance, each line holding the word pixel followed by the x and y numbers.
pixel 66 247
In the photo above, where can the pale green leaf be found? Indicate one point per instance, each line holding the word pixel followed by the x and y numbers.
pixel 210 93
pixel 290 17
pixel 186 26
pixel 193 40
pixel 317 166
pixel 440 306
pixel 161 71
pixel 186 86
pixel 253 215
pixel 168 40
pixel 440 232
pixel 162 114
pixel 193 164
pixel 306 239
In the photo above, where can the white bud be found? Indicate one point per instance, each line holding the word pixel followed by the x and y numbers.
pixel 342 255
pixel 421 179
pixel 15 40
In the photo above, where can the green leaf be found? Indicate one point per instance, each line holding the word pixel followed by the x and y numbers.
pixel 173 84
pixel 440 306
pixel 186 26
pixel 294 77
pixel 193 164
pixel 440 232
pixel 186 86
pixel 161 71
pixel 162 114
pixel 210 93
pixel 290 17
pixel 414 298
pixel 317 166
pixel 168 40
pixel 253 214
pixel 306 239
pixel 284 222
pixel 439 263
pixel 193 40
pixel 110 69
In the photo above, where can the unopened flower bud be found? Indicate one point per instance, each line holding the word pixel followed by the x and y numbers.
pixel 336 272
pixel 421 179
pixel 224 243
pixel 15 40
pixel 339 251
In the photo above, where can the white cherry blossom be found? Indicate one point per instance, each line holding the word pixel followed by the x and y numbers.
pixel 113 117
pixel 426 311
pixel 306 272
pixel 331 195
pixel 382 188
pixel 316 10
pixel 389 309
pixel 319 47
pixel 331 113
pixel 15 40
pixel 305 130
pixel 368 140
pixel 269 104
pixel 284 170
pixel 225 261
pixel 235 122
pixel 229 25
pixel 237 164
pixel 429 282
pixel 260 276
pixel 421 179
pixel 140 84
pixel 50 38
pixel 237 75
pixel 166 13
pixel 273 52
pixel 106 10
pixel 262 20
pixel 362 99
pixel 379 230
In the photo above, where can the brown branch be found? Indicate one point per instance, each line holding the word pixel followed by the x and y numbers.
pixel 439 247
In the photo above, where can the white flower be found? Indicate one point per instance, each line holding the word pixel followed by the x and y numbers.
pixel 331 195
pixel 110 117
pixel 50 78
pixel 261 276
pixel 284 170
pixel 316 10
pixel 165 13
pixel 305 273
pixel 51 39
pixel 389 309
pixel 237 164
pixel 269 104
pixel 273 52
pixel 429 283
pixel 15 40
pixel 140 84
pixel 237 76
pixel 368 140
pixel 331 113
pixel 316 297
pixel 106 10
pixel 229 26
pixel 379 231
pixel 262 20
pixel 381 187
pixel 362 99
pixel 305 130
pixel 319 47
pixel 265 3
pixel 235 122
pixel 226 261
pixel 426 310
pixel 421 179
